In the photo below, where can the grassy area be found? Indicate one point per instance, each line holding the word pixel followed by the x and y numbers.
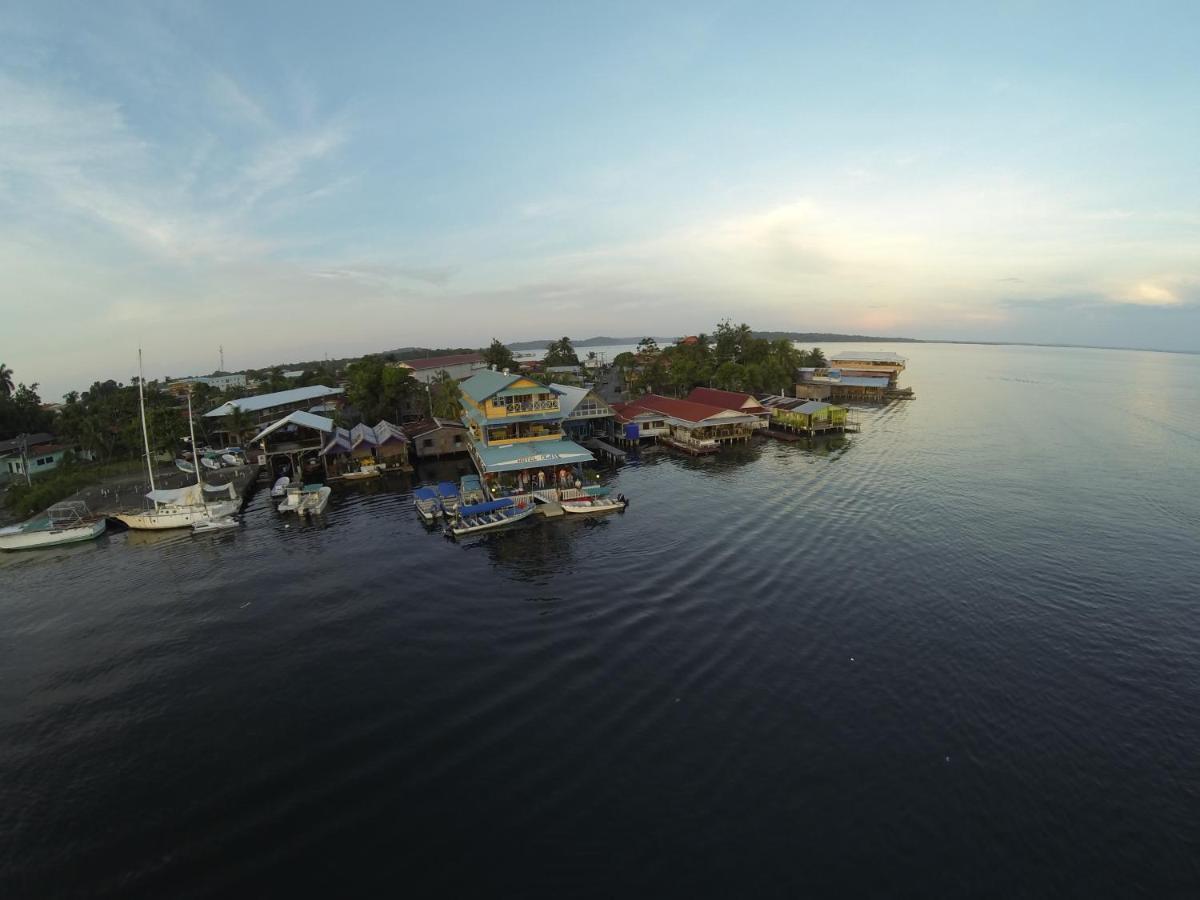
pixel 23 500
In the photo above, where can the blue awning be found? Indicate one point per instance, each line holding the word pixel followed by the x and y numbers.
pixel 531 455
pixel 478 509
pixel 425 493
pixel 447 489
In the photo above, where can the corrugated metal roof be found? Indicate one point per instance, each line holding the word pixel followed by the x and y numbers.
pixel 857 356
pixel 279 398
pixel 683 410
pixel 726 399
pixel 486 382
pixel 533 455
pixel 385 431
pixel 303 419
pixel 811 407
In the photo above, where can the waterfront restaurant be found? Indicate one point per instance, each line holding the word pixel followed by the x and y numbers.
pixel 693 427
pixel 860 364
pixel 735 400
pixel 515 433
pixel 291 445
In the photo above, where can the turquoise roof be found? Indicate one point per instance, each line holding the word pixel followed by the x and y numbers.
pixel 533 455
pixel 486 383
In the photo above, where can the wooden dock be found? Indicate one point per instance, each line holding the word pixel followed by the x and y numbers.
pixel 605 449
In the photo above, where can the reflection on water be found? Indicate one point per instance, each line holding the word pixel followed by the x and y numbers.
pixel 976 618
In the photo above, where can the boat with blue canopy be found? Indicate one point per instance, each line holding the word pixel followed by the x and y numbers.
pixel 448 496
pixel 472 489
pixel 425 499
pixel 476 517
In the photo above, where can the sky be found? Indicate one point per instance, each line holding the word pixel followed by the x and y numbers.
pixel 292 180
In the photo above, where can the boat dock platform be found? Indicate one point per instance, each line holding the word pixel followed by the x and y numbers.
pixel 608 451
pixel 123 494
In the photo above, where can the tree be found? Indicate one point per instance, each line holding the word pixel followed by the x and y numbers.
pixel 647 345
pixel 6 381
pixel 237 423
pixel 730 376
pixel 499 357
pixel 379 391
pixel 816 359
pixel 561 353
pixel 445 396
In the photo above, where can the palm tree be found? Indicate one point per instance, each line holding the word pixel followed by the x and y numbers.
pixel 238 423
pixel 6 381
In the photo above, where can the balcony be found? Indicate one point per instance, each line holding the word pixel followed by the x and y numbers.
pixel 521 407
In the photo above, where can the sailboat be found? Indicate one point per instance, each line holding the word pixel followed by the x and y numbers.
pixel 185 506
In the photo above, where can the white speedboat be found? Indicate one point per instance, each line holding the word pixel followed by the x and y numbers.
pixel 368 471
pixel 281 485
pixel 230 460
pixel 65 523
pixel 184 465
pixel 593 505
pixel 487 516
pixel 209 463
pixel 311 498
pixel 221 523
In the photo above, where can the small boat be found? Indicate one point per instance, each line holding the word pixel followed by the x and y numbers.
pixel 65 523
pixel 219 523
pixel 369 470
pixel 230 460
pixel 184 465
pixel 593 505
pixel 477 517
pixel 447 493
pixel 280 487
pixel 425 499
pixel 472 489
pixel 209 463
pixel 311 498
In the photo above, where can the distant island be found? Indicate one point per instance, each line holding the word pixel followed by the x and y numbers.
pixel 804 336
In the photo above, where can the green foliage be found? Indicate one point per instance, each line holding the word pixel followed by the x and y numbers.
pixel 6 381
pixel 625 361
pixel 445 396
pixel 647 345
pixel 499 356
pixel 816 359
pixel 380 391
pixel 561 353
pixel 21 412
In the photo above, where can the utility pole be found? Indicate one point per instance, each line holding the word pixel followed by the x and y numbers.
pixel 222 349
pixel 24 458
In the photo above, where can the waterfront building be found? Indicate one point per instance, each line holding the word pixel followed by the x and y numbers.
pixel 391 446
pixel 293 442
pixel 515 429
pixel 806 416
pixel 265 408
pixel 834 386
pixel 684 424
pixel 735 400
pixel 585 413
pixel 437 437
pixel 458 366
pixel 863 364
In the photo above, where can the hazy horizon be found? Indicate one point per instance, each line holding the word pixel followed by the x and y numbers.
pixel 341 182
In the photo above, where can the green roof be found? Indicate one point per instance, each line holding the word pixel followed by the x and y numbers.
pixel 486 383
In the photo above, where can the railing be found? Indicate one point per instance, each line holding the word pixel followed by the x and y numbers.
pixel 532 406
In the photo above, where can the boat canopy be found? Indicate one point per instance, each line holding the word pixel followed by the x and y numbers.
pixel 185 496
pixel 597 491
pixel 478 509
pixel 226 488
pixel 425 493
pixel 447 488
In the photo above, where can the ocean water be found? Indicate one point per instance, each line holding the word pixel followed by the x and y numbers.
pixel 956 654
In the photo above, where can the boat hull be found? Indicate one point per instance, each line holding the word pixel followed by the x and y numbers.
pixel 461 529
pixel 182 517
pixel 593 508
pixel 32 539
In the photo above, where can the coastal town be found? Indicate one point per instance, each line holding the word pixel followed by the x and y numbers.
pixel 482 439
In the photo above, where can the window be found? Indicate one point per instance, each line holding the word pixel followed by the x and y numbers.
pixel 457 440
pixel 428 442
pixel 45 460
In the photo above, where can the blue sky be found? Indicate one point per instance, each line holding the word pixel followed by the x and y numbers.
pixel 291 181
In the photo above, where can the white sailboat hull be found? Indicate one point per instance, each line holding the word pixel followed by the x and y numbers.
pixel 177 517
pixel 17 538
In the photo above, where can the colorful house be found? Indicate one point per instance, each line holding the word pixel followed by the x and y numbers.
pixel 690 426
pixel 515 429
pixel 585 413
pixel 437 437
pixel 807 416
pixel 458 366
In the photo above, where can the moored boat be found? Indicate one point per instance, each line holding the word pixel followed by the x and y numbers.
pixel 448 496
pixel 65 523
pixel 369 470
pixel 309 498
pixel 220 523
pixel 592 505
pixel 471 489
pixel 492 514
pixel 425 499
pixel 280 487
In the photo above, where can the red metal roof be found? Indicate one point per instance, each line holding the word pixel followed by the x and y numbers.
pixel 686 410
pixel 442 362
pixel 726 400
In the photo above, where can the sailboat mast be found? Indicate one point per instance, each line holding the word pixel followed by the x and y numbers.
pixel 192 432
pixel 145 433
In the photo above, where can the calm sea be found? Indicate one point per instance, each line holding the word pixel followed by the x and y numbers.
pixel 956 654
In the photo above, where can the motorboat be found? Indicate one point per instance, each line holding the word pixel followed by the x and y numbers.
pixel 425 499
pixel 471 489
pixel 230 460
pixel 64 523
pixel 477 517
pixel 369 470
pixel 281 485
pixel 184 465
pixel 593 505
pixel 209 463
pixel 448 496
pixel 309 498
pixel 220 523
